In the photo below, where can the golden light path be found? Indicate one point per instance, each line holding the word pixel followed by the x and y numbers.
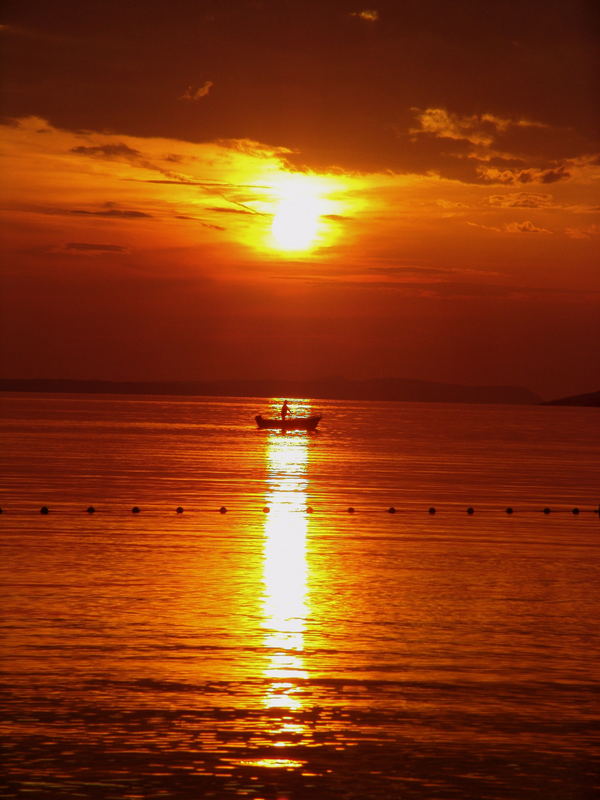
pixel 285 576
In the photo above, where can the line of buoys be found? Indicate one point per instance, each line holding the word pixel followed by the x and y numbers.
pixel 351 510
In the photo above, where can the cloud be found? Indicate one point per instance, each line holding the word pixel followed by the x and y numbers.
pixel 491 148
pixel 511 227
pixel 525 227
pixel 221 210
pixel 520 200
pixel 108 211
pixel 108 151
pixel 553 175
pixel 478 129
pixel 583 233
pixel 367 14
pixel 99 248
pixel 530 175
pixel 122 152
pixel 484 227
pixel 193 95
pixel 201 222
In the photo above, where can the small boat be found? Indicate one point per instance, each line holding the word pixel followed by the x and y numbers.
pixel 290 423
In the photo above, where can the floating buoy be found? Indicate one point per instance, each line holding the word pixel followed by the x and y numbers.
pixel 547 510
pixel 90 509
pixel 44 510
pixel 179 510
pixel 135 510
pixel 575 511
pixel 509 510
pixel 309 509
pixel 350 509
pixel 470 510
pixel 391 510
pixel 266 509
pixel 222 510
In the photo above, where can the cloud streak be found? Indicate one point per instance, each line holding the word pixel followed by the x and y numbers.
pixel 87 247
pixel 521 200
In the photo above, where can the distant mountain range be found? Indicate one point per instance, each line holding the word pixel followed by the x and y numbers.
pixel 331 388
pixel 589 399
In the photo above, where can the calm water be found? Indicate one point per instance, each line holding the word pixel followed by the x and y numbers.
pixel 293 654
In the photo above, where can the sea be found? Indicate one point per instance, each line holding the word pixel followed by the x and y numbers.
pixel 403 604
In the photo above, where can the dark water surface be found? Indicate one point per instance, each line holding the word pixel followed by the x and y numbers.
pixel 297 654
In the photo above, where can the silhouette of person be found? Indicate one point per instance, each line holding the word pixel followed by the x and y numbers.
pixel 284 410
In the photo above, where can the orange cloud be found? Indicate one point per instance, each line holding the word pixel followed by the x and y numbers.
pixel 478 129
pixel 525 227
pixel 586 232
pixel 165 200
pixel 368 14
pixel 521 200
pixel 193 95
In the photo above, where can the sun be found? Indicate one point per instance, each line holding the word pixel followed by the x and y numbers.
pixel 300 209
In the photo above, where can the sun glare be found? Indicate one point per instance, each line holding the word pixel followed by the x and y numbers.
pixel 301 204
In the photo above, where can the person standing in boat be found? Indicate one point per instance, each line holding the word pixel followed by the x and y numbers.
pixel 284 410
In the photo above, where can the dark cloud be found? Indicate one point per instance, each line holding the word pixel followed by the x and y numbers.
pixel 553 175
pixel 305 75
pixel 223 210
pixel 108 151
pixel 122 152
pixel 122 213
pixel 106 210
pixel 530 175
pixel 489 148
pixel 201 222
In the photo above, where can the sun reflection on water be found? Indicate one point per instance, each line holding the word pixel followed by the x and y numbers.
pixel 285 572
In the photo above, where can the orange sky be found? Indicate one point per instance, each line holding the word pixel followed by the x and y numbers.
pixel 301 190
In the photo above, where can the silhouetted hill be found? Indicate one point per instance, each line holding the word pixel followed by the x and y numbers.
pixel 331 388
pixel 589 399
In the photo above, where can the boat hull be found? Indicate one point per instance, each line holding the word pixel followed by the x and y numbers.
pixel 290 424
